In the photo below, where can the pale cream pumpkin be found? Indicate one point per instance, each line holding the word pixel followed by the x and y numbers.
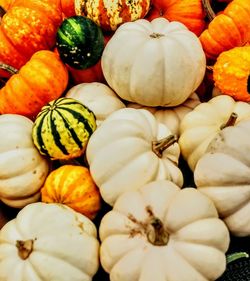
pixel 223 174
pixel 98 97
pixel 157 63
pixel 48 242
pixel 160 232
pixel 199 127
pixel 130 149
pixel 171 116
pixel 22 169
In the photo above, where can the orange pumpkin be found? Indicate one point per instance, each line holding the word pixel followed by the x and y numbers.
pixel 42 79
pixel 73 186
pixel 228 29
pixel 28 26
pixel 188 12
pixel 68 8
pixel 231 73
pixel 111 14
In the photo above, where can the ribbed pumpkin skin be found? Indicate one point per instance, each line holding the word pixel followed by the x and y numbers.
pixel 62 129
pixel 42 79
pixel 80 42
pixel 72 186
pixel 27 27
pixel 227 30
pixel 188 12
pixel 111 14
pixel 231 73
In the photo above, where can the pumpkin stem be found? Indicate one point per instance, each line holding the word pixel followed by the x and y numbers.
pixel 25 248
pixel 2 12
pixel 158 147
pixel 8 68
pixel 235 256
pixel 156 35
pixel 231 121
pixel 208 9
pixel 156 233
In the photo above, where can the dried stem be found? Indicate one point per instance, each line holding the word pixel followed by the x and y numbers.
pixel 208 9
pixel 231 121
pixel 158 147
pixel 25 248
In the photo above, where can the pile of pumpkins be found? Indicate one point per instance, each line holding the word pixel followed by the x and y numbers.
pixel 99 102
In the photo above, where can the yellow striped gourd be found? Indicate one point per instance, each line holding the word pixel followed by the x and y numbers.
pixel 62 128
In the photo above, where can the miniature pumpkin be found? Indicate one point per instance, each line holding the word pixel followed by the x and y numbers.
pixel 158 234
pixel 188 12
pixel 223 175
pixel 98 97
pixel 111 14
pixel 68 8
pixel 42 79
pixel 79 42
pixel 74 187
pixel 130 149
pixel 228 29
pixel 48 242
pixel 201 125
pixel 27 27
pixel 22 169
pixel 171 116
pixel 162 62
pixel 231 73
pixel 62 129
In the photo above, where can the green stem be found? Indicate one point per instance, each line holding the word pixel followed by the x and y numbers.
pixel 235 256
pixel 208 9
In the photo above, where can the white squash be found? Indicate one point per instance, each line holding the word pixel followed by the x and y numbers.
pixel 130 149
pixel 48 242
pixel 160 232
pixel 157 63
pixel 98 97
pixel 23 169
pixel 201 125
pixel 223 174
pixel 171 116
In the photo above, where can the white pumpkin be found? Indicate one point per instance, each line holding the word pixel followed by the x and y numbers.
pixel 171 116
pixel 157 63
pixel 98 97
pixel 130 149
pixel 201 125
pixel 223 174
pixel 160 232
pixel 22 169
pixel 48 242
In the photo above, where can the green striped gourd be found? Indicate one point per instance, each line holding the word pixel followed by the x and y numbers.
pixel 80 42
pixel 62 129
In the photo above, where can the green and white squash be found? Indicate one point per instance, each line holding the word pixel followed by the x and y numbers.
pixel 62 129
pixel 80 42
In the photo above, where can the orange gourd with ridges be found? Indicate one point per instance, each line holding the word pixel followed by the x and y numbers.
pixel 73 186
pixel 42 79
pixel 228 29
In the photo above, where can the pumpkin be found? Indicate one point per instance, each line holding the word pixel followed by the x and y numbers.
pixel 62 128
pixel 109 15
pixel 48 242
pixel 74 187
pixel 188 12
pixel 129 149
pixel 22 169
pixel 231 73
pixel 201 125
pixel 158 234
pixel 42 79
pixel 68 8
pixel 222 174
pixel 79 42
pixel 98 97
pixel 27 27
pixel 165 56
pixel 171 116
pixel 228 29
